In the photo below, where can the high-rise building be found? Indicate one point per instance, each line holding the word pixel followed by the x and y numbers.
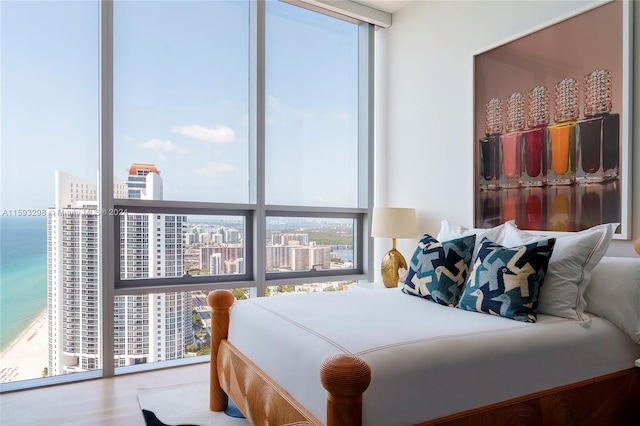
pixel 144 182
pixel 320 257
pixel 234 266
pixel 232 236
pixel 215 264
pixel 227 252
pixel 290 239
pixel 72 287
pixel 299 258
pixel 147 328
pixel 204 239
pixel 278 257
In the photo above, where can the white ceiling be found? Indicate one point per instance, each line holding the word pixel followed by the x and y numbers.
pixel 389 6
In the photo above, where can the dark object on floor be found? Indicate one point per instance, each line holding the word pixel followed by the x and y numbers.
pixel 150 418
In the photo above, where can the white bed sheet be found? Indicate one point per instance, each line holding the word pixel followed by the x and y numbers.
pixel 427 360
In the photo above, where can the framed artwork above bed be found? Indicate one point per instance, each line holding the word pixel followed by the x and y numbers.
pixel 552 125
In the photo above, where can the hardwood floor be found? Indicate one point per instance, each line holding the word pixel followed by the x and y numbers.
pixel 109 402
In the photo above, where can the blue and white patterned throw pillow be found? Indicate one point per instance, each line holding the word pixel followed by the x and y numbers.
pixel 506 281
pixel 438 270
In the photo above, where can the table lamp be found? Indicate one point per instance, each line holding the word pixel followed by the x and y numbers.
pixel 391 222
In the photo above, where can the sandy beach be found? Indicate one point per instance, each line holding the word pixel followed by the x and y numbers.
pixel 27 356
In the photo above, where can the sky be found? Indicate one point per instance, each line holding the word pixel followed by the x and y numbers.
pixel 181 99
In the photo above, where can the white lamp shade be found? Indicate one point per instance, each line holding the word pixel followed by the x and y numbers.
pixel 391 222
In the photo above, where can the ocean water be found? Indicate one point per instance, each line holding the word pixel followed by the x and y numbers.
pixel 23 274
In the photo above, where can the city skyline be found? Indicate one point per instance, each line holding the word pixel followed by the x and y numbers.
pixel 152 245
pixel 71 316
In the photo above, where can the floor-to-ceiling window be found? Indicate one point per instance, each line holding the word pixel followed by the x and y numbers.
pixel 173 148
pixel 311 146
pixel 49 118
pixel 181 134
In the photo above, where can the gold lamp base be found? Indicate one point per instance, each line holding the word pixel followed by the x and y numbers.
pixel 391 262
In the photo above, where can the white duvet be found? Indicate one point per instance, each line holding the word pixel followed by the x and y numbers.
pixel 427 360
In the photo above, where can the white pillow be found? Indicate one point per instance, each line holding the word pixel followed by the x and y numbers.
pixel 574 257
pixel 450 231
pixel 614 293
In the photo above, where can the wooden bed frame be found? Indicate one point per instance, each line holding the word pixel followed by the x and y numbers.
pixel 613 399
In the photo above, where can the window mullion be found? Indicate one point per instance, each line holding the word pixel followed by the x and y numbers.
pixel 366 158
pixel 107 226
pixel 257 123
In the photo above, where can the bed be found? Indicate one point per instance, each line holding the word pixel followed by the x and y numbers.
pixel 382 357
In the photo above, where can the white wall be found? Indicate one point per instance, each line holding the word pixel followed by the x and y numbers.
pixel 424 105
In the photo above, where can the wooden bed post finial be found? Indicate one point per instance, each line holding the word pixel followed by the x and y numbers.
pixel 220 302
pixel 345 377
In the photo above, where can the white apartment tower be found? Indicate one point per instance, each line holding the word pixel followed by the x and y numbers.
pixel 215 264
pixel 72 241
pixel 147 328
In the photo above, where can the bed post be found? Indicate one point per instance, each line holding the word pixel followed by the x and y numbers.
pixel 345 377
pixel 220 302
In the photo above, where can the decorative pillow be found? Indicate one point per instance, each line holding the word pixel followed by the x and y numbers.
pixel 574 257
pixel 614 293
pixel 506 281
pixel 450 230
pixel 438 270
